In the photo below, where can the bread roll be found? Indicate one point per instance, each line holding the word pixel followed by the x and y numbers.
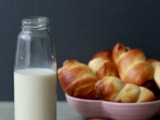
pixel 156 66
pixel 111 88
pixel 102 64
pixel 77 79
pixel 132 65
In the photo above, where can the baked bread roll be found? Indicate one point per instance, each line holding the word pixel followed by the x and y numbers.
pixel 113 89
pixel 132 64
pixel 77 79
pixel 156 66
pixel 102 64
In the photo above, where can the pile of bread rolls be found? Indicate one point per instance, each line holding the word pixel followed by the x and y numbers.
pixel 118 75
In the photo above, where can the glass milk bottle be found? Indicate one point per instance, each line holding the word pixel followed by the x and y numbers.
pixel 35 72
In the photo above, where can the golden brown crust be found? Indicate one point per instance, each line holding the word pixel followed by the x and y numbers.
pixel 126 75
pixel 132 64
pixel 118 51
pixel 107 54
pixel 129 93
pixel 108 87
pixel 102 64
pixel 113 89
pixel 77 79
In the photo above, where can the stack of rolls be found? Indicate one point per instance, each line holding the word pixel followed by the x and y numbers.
pixel 119 75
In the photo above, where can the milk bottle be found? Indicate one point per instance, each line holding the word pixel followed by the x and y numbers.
pixel 35 72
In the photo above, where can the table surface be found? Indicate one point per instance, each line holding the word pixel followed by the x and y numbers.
pixel 64 111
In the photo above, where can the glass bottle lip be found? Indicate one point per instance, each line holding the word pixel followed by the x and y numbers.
pixel 35 23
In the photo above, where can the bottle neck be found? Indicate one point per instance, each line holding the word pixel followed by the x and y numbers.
pixel 35 23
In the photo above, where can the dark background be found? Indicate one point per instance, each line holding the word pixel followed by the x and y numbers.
pixel 80 28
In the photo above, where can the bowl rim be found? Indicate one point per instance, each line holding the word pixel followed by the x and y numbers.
pixel 113 103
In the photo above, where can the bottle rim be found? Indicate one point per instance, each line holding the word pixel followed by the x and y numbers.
pixel 35 22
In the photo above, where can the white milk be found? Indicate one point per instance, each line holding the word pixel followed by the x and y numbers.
pixel 35 94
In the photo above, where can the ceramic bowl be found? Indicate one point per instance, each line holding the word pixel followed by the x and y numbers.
pixel 112 110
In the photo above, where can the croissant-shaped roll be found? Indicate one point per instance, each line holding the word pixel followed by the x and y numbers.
pixel 132 64
pixel 77 79
pixel 113 89
pixel 108 87
pixel 102 64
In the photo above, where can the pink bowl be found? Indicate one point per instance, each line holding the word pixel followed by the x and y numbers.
pixel 112 110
